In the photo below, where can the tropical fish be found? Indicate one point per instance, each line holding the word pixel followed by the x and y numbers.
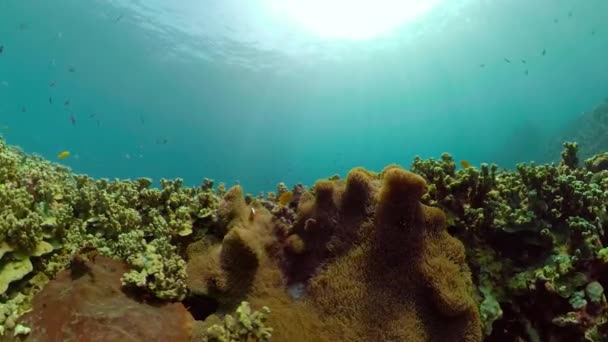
pixel 63 155
pixel 285 198
pixel 465 164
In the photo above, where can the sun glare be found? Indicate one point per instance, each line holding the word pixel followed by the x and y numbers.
pixel 351 19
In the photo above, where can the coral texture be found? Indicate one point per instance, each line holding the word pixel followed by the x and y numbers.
pixel 365 261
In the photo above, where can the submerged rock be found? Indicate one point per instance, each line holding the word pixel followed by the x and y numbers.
pixel 87 303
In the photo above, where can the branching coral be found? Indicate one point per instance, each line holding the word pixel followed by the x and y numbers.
pixel 512 222
pixel 47 214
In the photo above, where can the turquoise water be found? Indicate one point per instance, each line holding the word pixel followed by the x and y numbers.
pixel 239 92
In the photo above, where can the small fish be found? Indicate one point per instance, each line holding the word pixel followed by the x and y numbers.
pixel 73 120
pixel 285 198
pixel 482 65
pixel 593 32
pixel 118 18
pixel 63 155
pixel 1 49
pixel 127 156
pixel 50 100
pixel 97 123
pixel 23 109
pixel 465 164
pixel 71 69
pixel 544 52
pixel 92 115
pixel 52 84
pixel 23 26
pixel 251 214
pixel 67 103
pixel 556 20
pixel 4 84
pixel 526 72
pixel 570 14
pixel 523 61
pixel 141 119
pixel 507 60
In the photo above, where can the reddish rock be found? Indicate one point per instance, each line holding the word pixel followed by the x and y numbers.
pixel 87 303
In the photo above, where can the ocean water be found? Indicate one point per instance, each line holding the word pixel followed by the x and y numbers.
pixel 264 91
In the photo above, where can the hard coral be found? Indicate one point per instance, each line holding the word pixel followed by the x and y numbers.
pixel 365 261
pixel 535 239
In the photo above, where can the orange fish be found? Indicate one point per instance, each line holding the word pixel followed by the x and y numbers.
pixel 285 198
pixel 63 155
pixel 465 164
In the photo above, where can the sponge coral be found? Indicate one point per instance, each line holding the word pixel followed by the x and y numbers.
pixel 365 261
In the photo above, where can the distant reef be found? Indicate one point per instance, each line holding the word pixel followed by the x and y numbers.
pixel 588 130
pixel 433 253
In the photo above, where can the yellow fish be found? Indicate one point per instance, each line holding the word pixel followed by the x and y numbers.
pixel 465 164
pixel 285 198
pixel 63 155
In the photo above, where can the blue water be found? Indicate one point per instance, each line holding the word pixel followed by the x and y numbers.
pixel 229 90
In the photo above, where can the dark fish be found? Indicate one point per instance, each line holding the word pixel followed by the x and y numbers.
pixel 544 52
pixel 52 84
pixel 526 72
pixel 1 49
pixel 507 60
pixel 71 69
pixel 118 18
pixel 97 123
pixel 73 120
pixel 23 26
pixel 556 20
pixel 523 61
pixel 482 65
pixel 50 100
pixel 570 14
pixel 141 119
pixel 23 109
pixel 66 103
pixel 593 32
pixel 92 115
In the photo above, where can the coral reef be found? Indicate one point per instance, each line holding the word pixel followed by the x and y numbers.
pixel 48 214
pixel 588 130
pixel 247 325
pixel 435 254
pixel 87 301
pixel 365 261
pixel 535 242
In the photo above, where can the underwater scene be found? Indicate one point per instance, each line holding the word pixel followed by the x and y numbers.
pixel 289 170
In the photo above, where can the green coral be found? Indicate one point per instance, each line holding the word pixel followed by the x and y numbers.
pixel 537 230
pixel 159 269
pixel 246 325
pixel 49 213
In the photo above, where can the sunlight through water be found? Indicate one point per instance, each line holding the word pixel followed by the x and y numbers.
pixel 351 20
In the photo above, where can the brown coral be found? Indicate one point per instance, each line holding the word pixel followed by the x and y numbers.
pixel 365 261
